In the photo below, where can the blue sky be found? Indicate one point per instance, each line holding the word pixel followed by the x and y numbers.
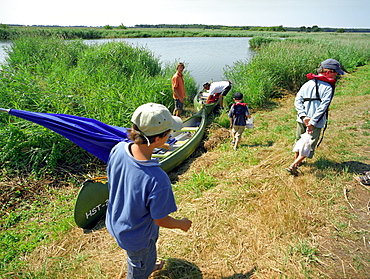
pixel 292 13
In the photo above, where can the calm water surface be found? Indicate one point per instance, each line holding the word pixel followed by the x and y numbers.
pixel 205 58
pixel 4 45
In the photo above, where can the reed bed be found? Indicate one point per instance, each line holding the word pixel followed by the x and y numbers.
pixel 105 82
pixel 11 32
pixel 281 65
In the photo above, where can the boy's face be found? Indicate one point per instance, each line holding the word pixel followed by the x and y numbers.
pixel 180 68
pixel 332 74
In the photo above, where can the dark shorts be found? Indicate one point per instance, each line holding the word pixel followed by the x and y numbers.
pixel 178 105
pixel 141 263
pixel 226 90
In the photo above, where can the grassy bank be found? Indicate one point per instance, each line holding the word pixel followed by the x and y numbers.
pixel 11 32
pixel 57 76
pixel 250 218
pixel 53 75
pixel 282 65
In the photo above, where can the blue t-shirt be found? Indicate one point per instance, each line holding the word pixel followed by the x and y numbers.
pixel 238 113
pixel 139 192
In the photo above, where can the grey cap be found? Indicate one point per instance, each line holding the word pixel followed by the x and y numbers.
pixel 332 64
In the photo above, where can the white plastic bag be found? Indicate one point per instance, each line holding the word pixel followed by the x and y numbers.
pixel 303 145
pixel 250 123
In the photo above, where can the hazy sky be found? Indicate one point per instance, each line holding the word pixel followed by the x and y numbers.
pixel 289 13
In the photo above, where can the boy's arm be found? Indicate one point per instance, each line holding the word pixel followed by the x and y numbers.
pixel 172 223
pixel 231 116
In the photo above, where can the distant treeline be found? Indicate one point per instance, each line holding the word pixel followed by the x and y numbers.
pixel 279 28
pixel 214 27
pixel 10 32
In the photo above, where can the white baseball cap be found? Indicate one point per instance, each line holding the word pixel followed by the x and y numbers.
pixel 153 119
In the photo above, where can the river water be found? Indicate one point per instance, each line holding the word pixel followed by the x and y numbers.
pixel 205 58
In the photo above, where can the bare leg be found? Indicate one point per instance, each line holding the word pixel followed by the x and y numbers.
pixel 296 155
pixel 177 112
pixel 236 143
pixel 221 98
pixel 159 266
pixel 293 167
pixel 298 160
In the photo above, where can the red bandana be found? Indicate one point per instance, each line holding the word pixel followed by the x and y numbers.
pixel 240 104
pixel 331 81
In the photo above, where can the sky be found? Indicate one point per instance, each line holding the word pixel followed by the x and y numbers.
pixel 289 13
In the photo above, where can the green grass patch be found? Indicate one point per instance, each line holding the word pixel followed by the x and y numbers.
pixel 260 221
pixel 31 224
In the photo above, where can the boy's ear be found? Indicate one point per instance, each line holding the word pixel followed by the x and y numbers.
pixel 157 139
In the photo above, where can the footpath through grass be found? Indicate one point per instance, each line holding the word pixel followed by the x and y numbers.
pixel 250 218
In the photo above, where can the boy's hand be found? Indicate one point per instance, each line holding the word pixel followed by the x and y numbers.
pixel 309 129
pixel 185 224
pixel 306 120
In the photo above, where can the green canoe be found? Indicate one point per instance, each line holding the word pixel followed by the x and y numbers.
pixel 92 200
pixel 200 103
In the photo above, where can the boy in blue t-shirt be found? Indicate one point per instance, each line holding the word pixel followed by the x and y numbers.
pixel 140 192
pixel 238 114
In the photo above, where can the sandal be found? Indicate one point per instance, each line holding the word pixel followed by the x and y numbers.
pixel 292 170
pixel 364 180
pixel 159 266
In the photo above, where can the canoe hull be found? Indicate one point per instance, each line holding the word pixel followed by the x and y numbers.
pixel 200 105
pixel 183 152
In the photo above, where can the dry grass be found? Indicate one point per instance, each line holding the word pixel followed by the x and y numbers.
pixel 257 221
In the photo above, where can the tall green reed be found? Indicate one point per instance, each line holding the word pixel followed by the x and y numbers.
pixel 105 82
pixel 282 65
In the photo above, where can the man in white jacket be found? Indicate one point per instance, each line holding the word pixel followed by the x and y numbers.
pixel 312 103
pixel 217 90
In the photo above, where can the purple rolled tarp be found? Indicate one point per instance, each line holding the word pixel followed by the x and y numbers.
pixel 92 135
